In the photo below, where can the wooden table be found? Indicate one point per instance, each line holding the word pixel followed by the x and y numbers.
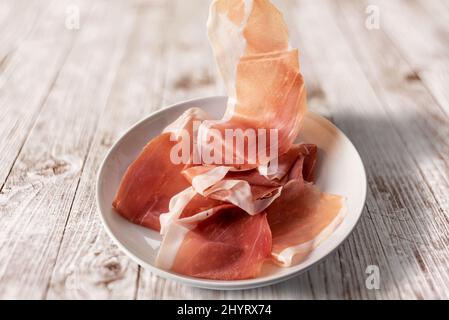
pixel 66 93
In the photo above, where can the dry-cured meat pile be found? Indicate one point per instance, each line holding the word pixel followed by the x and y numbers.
pixel 224 221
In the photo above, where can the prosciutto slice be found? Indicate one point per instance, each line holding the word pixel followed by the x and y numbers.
pixel 264 85
pixel 229 245
pixel 300 219
pixel 153 178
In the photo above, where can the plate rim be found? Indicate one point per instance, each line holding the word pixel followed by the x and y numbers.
pixel 207 283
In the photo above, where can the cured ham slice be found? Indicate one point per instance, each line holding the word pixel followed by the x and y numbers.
pixel 244 27
pixel 145 191
pixel 261 73
pixel 300 219
pixel 153 179
pixel 229 245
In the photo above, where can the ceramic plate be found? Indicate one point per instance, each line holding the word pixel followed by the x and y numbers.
pixel 340 171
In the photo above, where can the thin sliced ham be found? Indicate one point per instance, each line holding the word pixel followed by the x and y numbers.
pixel 149 184
pixel 229 245
pixel 153 179
pixel 265 87
pixel 300 219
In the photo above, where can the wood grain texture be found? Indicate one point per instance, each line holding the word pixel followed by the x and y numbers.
pixel 67 95
pixel 88 264
pixel 26 46
pixel 38 194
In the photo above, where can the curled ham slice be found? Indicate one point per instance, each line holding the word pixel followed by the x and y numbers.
pixel 265 87
pixel 246 189
pixel 229 245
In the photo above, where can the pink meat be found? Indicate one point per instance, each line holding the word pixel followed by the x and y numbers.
pixel 230 245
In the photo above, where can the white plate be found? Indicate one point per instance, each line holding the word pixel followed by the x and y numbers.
pixel 340 171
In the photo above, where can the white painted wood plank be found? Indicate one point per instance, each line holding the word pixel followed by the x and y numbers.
pixel 39 192
pixel 89 266
pixel 18 18
pixel 24 82
pixel 420 30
